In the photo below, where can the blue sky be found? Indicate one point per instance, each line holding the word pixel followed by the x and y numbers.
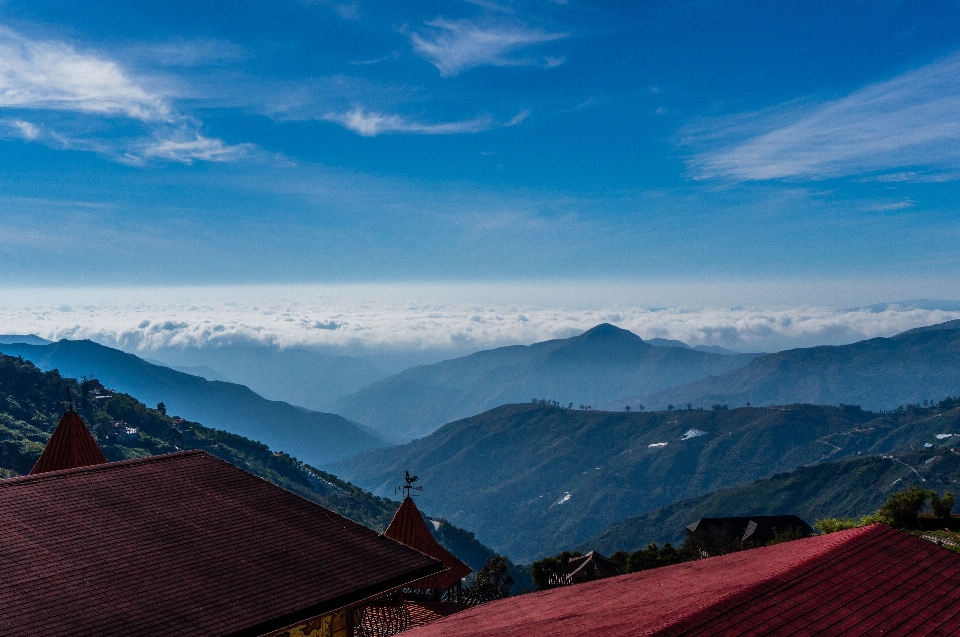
pixel 172 143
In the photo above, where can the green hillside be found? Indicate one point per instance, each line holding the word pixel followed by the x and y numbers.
pixel 31 402
pixel 850 488
pixel 879 373
pixel 534 479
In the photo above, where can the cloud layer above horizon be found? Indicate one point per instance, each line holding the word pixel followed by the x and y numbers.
pixel 377 320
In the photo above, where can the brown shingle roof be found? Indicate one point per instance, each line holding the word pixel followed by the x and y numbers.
pixel 408 527
pixel 70 446
pixel 182 544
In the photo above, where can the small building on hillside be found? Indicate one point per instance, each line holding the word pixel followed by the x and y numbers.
pixel 757 529
pixel 867 581
pixel 196 546
pixel 585 568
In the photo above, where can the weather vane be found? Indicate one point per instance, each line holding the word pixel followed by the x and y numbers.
pixel 408 487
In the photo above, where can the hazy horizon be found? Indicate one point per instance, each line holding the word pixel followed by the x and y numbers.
pixel 407 323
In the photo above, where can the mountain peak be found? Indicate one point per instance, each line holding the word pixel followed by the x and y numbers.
pixel 607 331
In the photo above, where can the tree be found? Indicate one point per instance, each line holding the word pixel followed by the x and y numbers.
pixel 718 407
pixel 901 509
pixel 651 557
pixel 626 408
pixel 941 505
pixel 669 407
pixel 640 407
pixel 493 581
pixel 162 408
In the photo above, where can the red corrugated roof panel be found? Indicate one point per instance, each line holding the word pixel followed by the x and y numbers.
pixel 868 581
pixel 181 544
pixel 70 446
pixel 408 527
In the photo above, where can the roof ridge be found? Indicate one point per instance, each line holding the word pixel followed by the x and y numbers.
pixel 777 578
pixel 107 466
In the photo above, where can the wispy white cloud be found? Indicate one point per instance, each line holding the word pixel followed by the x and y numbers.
pixel 185 150
pixel 519 117
pixel 22 128
pixel 912 120
pixel 43 76
pixel 38 74
pixel 371 124
pixel 456 45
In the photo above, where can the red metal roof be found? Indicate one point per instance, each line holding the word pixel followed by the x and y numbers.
pixel 181 544
pixel 867 581
pixel 70 446
pixel 408 527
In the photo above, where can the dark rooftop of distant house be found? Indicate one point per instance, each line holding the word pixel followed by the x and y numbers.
pixel 181 544
pixel 756 528
pixel 867 581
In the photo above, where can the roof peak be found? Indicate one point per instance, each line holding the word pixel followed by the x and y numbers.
pixel 71 446
pixel 408 527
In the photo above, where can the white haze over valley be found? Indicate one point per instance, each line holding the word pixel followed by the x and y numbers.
pixel 436 321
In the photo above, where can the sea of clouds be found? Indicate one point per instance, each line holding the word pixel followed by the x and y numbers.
pixel 454 319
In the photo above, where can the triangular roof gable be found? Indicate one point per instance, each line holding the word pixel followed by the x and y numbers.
pixel 70 446
pixel 408 527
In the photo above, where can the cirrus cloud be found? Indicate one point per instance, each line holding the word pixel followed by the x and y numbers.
pixel 371 124
pixel 912 120
pixel 456 45
pixel 40 74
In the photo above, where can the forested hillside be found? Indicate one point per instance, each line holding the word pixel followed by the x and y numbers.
pixel 845 489
pixel 533 479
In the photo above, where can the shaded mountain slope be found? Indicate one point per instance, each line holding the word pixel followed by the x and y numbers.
pixel 879 373
pixel 318 438
pixel 301 376
pixel 533 479
pixel 848 488
pixel 596 366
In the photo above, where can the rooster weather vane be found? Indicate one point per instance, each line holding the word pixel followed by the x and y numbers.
pixel 408 487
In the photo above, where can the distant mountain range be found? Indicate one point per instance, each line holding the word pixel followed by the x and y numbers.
pixel 535 479
pixel 315 437
pixel 713 349
pixel 845 489
pixel 595 367
pixel 301 376
pixel 879 373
